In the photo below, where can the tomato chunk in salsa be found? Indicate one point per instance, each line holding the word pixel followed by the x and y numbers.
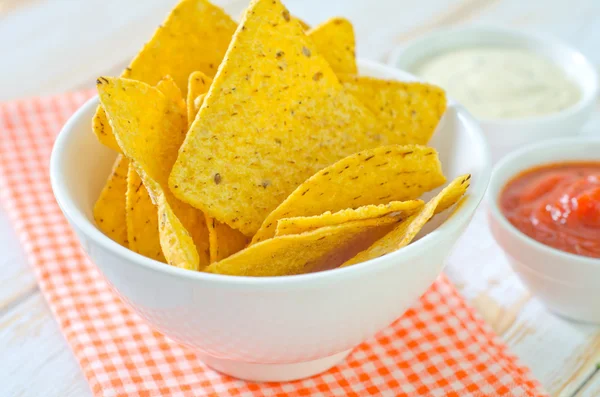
pixel 557 205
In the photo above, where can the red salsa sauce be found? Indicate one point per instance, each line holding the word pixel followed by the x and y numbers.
pixel 557 205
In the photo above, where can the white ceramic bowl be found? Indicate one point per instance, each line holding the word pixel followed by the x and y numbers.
pixel 279 328
pixel 568 284
pixel 505 135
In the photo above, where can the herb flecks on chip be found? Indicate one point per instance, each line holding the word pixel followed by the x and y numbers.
pixel 406 231
pixel 302 224
pixel 194 37
pixel 335 41
pixel 370 177
pixel 109 210
pixel 266 123
pixel 411 111
pixel 150 124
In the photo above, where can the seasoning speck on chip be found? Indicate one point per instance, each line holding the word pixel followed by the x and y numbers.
pixel 194 37
pixel 109 210
pixel 411 111
pixel 335 41
pixel 406 231
pixel 149 125
pixel 266 118
pixel 302 224
pixel 371 177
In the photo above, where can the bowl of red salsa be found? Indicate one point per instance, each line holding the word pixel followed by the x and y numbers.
pixel 544 212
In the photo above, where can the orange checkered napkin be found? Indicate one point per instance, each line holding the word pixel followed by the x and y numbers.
pixel 438 348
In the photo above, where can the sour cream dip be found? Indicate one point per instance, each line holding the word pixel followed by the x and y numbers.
pixel 497 82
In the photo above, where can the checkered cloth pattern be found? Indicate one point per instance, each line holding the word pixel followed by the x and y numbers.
pixel 440 347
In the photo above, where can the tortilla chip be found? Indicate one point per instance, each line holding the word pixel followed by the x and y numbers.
pixel 302 24
pixel 406 231
pixel 194 36
pixel 142 219
pixel 224 241
pixel 109 210
pixel 267 124
pixel 198 84
pixel 303 224
pixel 370 177
pixel 412 111
pixel 320 249
pixel 150 127
pixel 335 41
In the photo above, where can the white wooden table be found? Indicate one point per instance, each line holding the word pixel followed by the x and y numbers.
pixel 50 46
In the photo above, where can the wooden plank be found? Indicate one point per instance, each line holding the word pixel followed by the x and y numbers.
pixel 76 44
pixel 16 279
pixel 35 358
pixel 592 387
pixel 561 353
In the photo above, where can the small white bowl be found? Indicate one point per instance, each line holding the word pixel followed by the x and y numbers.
pixel 568 284
pixel 271 328
pixel 505 135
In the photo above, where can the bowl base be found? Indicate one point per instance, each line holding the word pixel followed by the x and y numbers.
pixel 273 372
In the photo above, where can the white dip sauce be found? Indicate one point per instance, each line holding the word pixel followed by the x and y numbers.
pixel 501 82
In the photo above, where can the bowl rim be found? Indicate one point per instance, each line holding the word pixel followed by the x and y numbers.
pixel 497 184
pixel 461 214
pixel 588 95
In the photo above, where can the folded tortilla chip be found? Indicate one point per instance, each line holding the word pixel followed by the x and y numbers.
pixel 198 85
pixel 267 124
pixel 406 231
pixel 303 224
pixel 411 111
pixel 194 36
pixel 149 126
pixel 370 177
pixel 109 210
pixel 335 41
pixel 317 250
pixel 142 219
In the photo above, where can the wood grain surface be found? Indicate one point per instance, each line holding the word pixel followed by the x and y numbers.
pixel 51 46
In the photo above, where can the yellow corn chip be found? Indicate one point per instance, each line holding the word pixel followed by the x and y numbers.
pixel 198 84
pixel 194 36
pixel 224 241
pixel 149 128
pixel 109 210
pixel 334 40
pixel 142 219
pixel 320 249
pixel 302 24
pixel 412 111
pixel 274 115
pixel 406 231
pixel 370 177
pixel 302 224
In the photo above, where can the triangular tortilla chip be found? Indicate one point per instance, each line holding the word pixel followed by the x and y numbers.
pixel 149 128
pixel 198 85
pixel 320 249
pixel 142 219
pixel 194 36
pixel 370 177
pixel 303 224
pixel 335 41
pixel 267 124
pixel 412 111
pixel 109 210
pixel 406 231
